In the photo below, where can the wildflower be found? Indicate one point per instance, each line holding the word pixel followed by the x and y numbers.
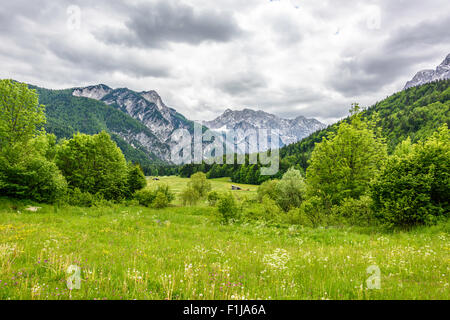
pixel 277 260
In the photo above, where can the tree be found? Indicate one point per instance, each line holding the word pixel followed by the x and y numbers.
pixel 22 117
pixel 414 186
pixel 227 207
pixel 26 153
pixel 135 179
pixel 290 190
pixel 344 163
pixel 94 164
pixel 200 184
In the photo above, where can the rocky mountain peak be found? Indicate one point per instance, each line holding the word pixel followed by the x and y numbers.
pixel 145 106
pixel 426 76
pixel 153 97
pixel 291 130
pixel 96 92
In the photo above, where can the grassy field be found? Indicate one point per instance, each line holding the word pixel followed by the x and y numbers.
pixel 184 253
pixel 177 185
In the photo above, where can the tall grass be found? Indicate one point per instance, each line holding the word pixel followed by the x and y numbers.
pixel 184 253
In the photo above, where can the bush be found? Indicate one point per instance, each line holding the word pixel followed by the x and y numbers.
pixel 31 177
pixel 189 196
pixel 267 188
pixel 311 213
pixel 355 211
pixel 145 197
pixel 228 208
pixel 213 197
pixel 165 189
pixel 160 200
pixel 76 197
pixel 159 197
pixel 414 187
pixel 267 210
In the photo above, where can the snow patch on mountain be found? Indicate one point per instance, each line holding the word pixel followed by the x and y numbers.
pixel 290 130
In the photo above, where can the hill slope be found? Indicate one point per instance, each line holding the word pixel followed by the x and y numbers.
pixel 147 107
pixel 415 113
pixel 67 114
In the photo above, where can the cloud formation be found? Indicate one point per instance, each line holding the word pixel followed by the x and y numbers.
pixel 155 24
pixel 289 57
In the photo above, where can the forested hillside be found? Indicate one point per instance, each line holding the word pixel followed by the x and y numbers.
pixel 415 113
pixel 67 115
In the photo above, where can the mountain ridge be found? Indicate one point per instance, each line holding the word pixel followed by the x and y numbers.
pixel 291 130
pixel 441 72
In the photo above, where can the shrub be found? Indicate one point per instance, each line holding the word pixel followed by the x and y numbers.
pixel 227 208
pixel 148 197
pixel 165 189
pixel 145 197
pixel 160 200
pixel 267 210
pixel 75 197
pixel 32 177
pixel 414 186
pixel 189 196
pixel 311 213
pixel 267 188
pixel 355 211
pixel 213 197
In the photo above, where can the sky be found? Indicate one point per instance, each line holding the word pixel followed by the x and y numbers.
pixel 288 57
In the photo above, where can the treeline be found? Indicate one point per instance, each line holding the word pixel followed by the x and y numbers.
pixel 414 113
pixel 162 170
pixel 83 170
pixel 247 173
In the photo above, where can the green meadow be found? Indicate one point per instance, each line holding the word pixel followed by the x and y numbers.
pixel 134 252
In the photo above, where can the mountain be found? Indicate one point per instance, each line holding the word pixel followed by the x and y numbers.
pixel 442 72
pixel 68 114
pixel 291 130
pixel 146 107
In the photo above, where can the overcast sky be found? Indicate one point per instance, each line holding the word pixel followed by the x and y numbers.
pixel 287 57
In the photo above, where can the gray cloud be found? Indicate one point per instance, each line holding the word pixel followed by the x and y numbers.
pixel 420 36
pixel 242 84
pixel 106 63
pixel 153 25
pixel 206 56
pixel 370 70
